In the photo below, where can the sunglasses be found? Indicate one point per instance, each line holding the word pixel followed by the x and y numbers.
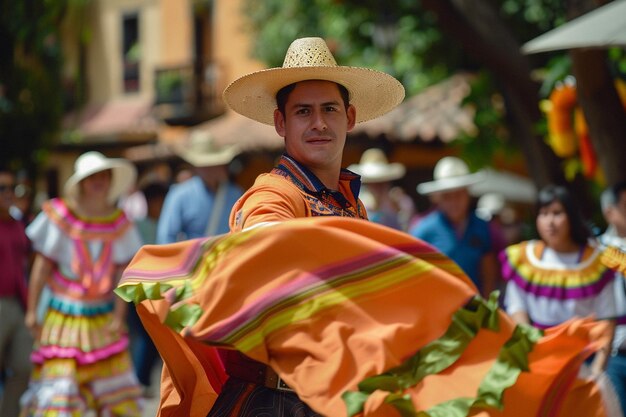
pixel 7 187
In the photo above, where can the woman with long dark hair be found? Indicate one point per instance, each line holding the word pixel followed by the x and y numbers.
pixel 561 275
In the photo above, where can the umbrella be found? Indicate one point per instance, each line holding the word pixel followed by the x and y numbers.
pixel 600 28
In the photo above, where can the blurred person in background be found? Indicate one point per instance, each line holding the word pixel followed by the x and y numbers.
pixel 613 204
pixel 377 176
pixel 560 276
pixel 454 228
pixel 82 243
pixel 15 339
pixel 200 206
pixel 144 354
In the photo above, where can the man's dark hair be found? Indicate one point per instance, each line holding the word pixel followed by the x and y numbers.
pixel 579 230
pixel 617 189
pixel 155 190
pixel 283 95
pixel 4 169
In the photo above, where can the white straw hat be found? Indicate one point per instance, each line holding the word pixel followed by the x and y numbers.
pixel 450 173
pixel 373 93
pixel 374 167
pixel 123 175
pixel 202 151
pixel 489 205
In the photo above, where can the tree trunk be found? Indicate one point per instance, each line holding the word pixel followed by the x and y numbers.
pixel 477 27
pixel 598 98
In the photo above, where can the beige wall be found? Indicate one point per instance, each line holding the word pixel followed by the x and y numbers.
pixel 104 58
pixel 166 38
pixel 176 28
pixel 232 41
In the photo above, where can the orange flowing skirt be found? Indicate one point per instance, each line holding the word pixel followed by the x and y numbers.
pixel 359 319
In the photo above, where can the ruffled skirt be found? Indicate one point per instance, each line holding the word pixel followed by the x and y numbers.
pixel 80 364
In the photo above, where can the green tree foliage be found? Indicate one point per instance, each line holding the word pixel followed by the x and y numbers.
pixel 32 95
pixel 395 36
pixel 415 50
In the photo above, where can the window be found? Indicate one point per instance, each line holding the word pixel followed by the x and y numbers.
pixel 131 53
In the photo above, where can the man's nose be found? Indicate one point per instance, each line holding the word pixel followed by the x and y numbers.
pixel 319 121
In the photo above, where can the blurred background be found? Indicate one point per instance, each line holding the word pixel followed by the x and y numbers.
pixel 132 78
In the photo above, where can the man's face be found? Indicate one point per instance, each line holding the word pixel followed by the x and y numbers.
pixel 616 215
pixel 454 204
pixel 315 124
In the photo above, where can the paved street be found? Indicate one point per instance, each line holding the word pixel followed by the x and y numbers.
pixel 152 404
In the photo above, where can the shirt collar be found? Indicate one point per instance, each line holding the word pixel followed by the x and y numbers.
pixel 308 181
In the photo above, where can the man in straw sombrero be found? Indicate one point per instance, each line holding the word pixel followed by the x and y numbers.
pixel 385 203
pixel 313 103
pixel 453 227
pixel 200 206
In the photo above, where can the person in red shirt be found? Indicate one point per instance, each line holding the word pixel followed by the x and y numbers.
pixel 15 339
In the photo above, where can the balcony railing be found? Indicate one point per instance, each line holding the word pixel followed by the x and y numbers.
pixel 182 97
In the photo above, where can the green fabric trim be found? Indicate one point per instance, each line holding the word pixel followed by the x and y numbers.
pixel 445 351
pixel 177 318
pixel 184 316
pixel 138 292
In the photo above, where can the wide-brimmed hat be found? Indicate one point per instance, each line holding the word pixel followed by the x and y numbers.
pixel 489 205
pixel 373 93
pixel 201 150
pixel 450 173
pixel 123 175
pixel 374 167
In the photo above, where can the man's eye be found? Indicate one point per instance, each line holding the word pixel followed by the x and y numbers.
pixel 331 109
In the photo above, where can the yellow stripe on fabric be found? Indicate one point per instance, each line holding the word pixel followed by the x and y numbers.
pixel 303 311
pixel 135 289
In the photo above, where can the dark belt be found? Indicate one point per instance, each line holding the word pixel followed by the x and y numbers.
pixel 242 367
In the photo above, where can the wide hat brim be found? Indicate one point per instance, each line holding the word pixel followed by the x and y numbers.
pixel 449 184
pixel 373 93
pixel 373 173
pixel 222 157
pixel 123 177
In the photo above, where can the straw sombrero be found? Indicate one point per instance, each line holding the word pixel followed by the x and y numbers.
pixel 374 167
pixel 450 173
pixel 123 175
pixel 201 150
pixel 373 93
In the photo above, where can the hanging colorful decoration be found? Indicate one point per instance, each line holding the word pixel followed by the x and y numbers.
pixel 568 134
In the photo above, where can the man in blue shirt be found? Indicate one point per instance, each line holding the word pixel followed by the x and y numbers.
pixel 200 206
pixel 454 228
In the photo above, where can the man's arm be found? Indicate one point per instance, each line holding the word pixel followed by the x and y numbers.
pixel 490 273
pixel 275 201
pixel 41 270
pixel 170 221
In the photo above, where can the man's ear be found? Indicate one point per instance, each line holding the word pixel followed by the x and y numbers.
pixel 279 123
pixel 351 113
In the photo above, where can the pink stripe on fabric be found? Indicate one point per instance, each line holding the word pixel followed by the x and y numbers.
pixel 179 271
pixel 67 283
pixel 83 358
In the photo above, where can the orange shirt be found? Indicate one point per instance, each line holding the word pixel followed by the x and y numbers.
pixel 292 191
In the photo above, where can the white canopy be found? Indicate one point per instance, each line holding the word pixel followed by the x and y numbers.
pixel 600 28
pixel 512 187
